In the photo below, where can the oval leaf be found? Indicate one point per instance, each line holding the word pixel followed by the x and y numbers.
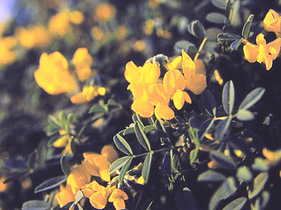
pixel 227 37
pixel 124 169
pixel 223 161
pixel 64 165
pixel 197 29
pixel 222 128
pixel 208 102
pixel 36 205
pixel 215 17
pixel 258 184
pixel 237 204
pixel 50 183
pixel 185 199
pixel 244 115
pixel 146 167
pixel 247 27
pixel 221 4
pixel 142 138
pixel 244 174
pixel 187 46
pixel 97 108
pixel 228 95
pixel 234 45
pixel 122 144
pixel 118 163
pixel 252 98
pixel 211 176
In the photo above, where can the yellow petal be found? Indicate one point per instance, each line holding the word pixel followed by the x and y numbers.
pixel 197 84
pixel 82 61
pixel 150 73
pixel 179 98
pixel 97 200
pixel 143 108
pixel 199 67
pixel 164 111
pixel 250 52
pixel 173 80
pixel 109 153
pixel 157 94
pixel 119 203
pixel 78 98
pixel 175 63
pixel 188 65
pixel 271 21
pixel 131 72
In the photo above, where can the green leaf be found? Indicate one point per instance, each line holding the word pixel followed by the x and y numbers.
pixel 228 95
pixel 112 102
pixel 65 165
pixel 124 169
pixel 222 128
pixel 118 163
pixel 244 115
pixel 36 205
pixel 234 45
pixel 211 176
pixel 128 130
pixel 252 97
pixel 208 102
pixel 221 4
pixel 236 204
pixel 54 122
pixel 187 46
pixel 260 164
pixel 79 195
pixel 244 174
pixel 204 127
pixel 215 17
pixel 229 37
pixel 62 117
pixel 148 128
pixel 197 29
pixel 122 144
pixel 193 155
pixel 185 200
pixel 258 184
pixel 98 108
pixel 225 190
pixel 265 195
pixel 142 138
pixel 223 161
pixel 136 118
pixel 146 166
pixel 50 183
pixel 247 27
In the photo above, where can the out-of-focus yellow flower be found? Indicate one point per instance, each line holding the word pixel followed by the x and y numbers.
pixel 52 74
pixel 6 45
pixel 3 186
pixel 60 24
pixel 272 22
pixel 82 61
pixel 104 12
pixel 98 164
pixel 117 197
pixel 63 141
pixel 194 73
pixel 148 27
pixel 262 52
pixel 88 93
pixel 139 45
pixel 33 36
pixel 122 31
pixel 97 33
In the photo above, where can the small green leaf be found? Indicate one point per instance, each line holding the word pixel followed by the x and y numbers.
pixel 234 45
pixel 124 169
pixel 265 198
pixel 128 130
pixel 252 97
pixel 98 108
pixel 136 118
pixel 215 17
pixel 187 46
pixel 122 144
pixel 36 205
pixel 222 128
pixel 193 155
pixel 185 200
pixel 244 174
pixel 146 167
pixel 211 176
pixel 50 183
pixel 225 190
pixel 258 184
pixel 142 138
pixel 148 128
pixel 118 163
pixel 228 95
pixel 208 102
pixel 236 204
pixel 221 4
pixel 111 102
pixel 223 161
pixel 204 127
pixel 260 164
pixel 79 195
pixel 229 37
pixel 197 29
pixel 65 165
pixel 244 115
pixel 247 27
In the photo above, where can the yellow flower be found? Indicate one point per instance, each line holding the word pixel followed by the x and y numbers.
pixel 33 36
pixel 88 93
pixel 272 21
pixel 64 141
pixel 104 12
pixel 52 74
pixel 65 195
pixel 82 61
pixel 6 45
pixel 194 73
pixel 117 197
pixel 262 52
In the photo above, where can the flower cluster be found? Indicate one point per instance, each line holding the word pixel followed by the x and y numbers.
pixel 262 52
pixel 55 77
pixel 152 94
pixel 80 180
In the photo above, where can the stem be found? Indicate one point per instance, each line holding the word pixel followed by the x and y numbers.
pixel 200 48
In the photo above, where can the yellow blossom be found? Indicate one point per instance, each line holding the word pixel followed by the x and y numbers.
pixel 65 195
pixel 52 74
pixel 33 36
pixel 63 141
pixel 97 33
pixel 104 12
pixel 262 52
pixel 88 93
pixel 272 21
pixel 82 61
pixel 6 45
pixel 117 197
